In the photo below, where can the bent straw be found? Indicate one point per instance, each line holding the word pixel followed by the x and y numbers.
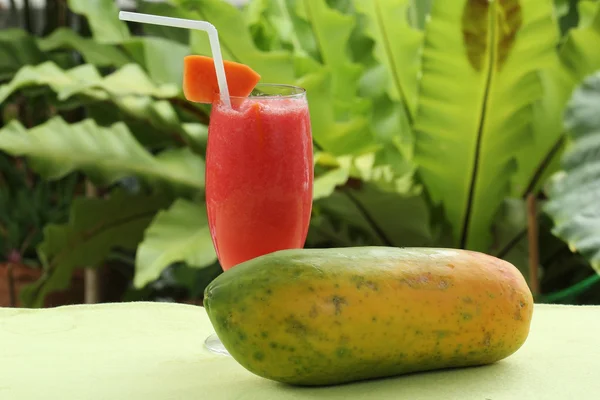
pixel 207 27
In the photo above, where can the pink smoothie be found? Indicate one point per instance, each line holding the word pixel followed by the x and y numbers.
pixel 259 177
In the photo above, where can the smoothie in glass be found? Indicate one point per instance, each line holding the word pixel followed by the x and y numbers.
pixel 259 174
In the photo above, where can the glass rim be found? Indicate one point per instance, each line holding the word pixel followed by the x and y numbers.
pixel 294 92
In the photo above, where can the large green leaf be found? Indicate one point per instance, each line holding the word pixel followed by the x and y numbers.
pixel 587 10
pixel 130 90
pixel 390 119
pixel 325 184
pixel 17 48
pixel 477 90
pixel 261 16
pixel 397 46
pixel 336 173
pixel 64 83
pixel 340 122
pixel 85 79
pixel 102 16
pixel 179 234
pixel 95 227
pixel 385 176
pixel 391 80
pixel 93 52
pixel 164 121
pixel 131 79
pixel 539 159
pixel 561 7
pixel 162 58
pixel 274 24
pixel 168 10
pixel 196 136
pixel 579 53
pixel 332 31
pixel 236 41
pixel 578 58
pixel 154 123
pixel 418 13
pixel 575 191
pixel 337 137
pixel 57 148
pixel 105 113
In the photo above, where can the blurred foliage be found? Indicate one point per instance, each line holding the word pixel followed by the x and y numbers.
pixel 27 204
pixel 575 190
pixel 432 121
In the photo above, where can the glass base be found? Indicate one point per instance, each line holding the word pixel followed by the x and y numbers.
pixel 213 343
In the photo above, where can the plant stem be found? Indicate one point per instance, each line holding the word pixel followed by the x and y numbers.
pixel 91 276
pixel 27 240
pixel 386 241
pixel 537 175
pixel 11 286
pixel 513 242
pixel 482 121
pixel 14 13
pixel 63 12
pixel 22 167
pixel 27 16
pixel 50 17
pixel 189 107
pixel 572 290
pixel 533 238
pixel 92 285
pixel 56 15
pixel 125 259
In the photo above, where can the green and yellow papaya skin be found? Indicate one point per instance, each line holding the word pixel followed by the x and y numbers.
pixel 329 316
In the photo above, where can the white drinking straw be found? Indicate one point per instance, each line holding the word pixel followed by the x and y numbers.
pixel 207 27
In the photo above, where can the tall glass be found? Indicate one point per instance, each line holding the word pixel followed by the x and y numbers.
pixel 259 176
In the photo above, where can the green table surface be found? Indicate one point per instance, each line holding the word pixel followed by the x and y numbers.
pixel 152 351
